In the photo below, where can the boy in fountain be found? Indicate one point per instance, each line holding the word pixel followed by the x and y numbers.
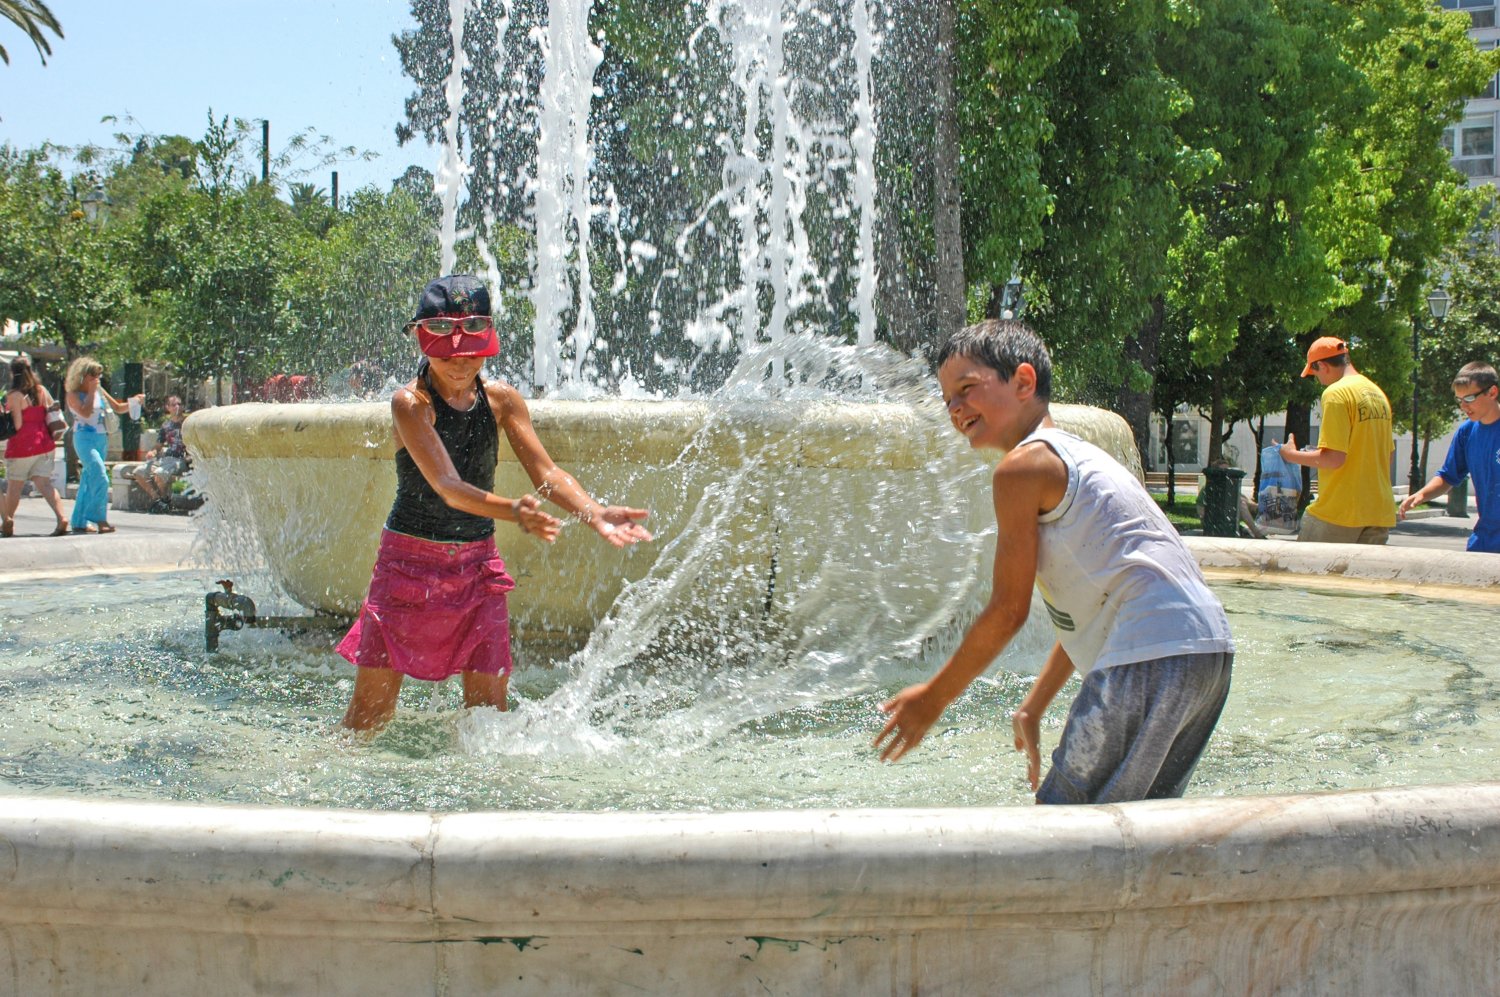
pixel 436 605
pixel 1132 613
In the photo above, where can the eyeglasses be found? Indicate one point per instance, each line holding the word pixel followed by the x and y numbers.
pixel 471 324
pixel 1471 399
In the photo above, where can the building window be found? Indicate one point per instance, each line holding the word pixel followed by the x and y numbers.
pixel 1472 146
pixel 1481 12
pixel 1488 93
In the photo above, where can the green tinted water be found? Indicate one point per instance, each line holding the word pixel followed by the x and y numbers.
pixel 106 691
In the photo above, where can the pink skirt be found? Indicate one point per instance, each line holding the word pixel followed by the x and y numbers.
pixel 434 610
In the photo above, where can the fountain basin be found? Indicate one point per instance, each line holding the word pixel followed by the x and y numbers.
pixel 1358 892
pixel 1354 892
pixel 314 483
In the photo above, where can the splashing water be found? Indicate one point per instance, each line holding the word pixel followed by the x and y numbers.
pixel 863 568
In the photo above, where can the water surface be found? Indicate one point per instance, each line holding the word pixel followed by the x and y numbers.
pixel 106 691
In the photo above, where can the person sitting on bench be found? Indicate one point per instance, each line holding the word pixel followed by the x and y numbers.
pixel 167 463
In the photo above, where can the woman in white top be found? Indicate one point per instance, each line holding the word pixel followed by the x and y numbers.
pixel 86 400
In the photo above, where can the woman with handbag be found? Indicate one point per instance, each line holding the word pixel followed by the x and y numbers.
pixel 29 453
pixel 86 400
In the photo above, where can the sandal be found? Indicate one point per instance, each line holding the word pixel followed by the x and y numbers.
pixel 106 528
pixel 61 531
pixel 8 528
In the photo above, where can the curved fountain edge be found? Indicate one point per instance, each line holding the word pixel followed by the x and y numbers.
pixel 1261 894
pixel 1386 567
pixel 1309 893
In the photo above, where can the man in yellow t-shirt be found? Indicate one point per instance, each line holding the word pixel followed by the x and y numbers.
pixel 1355 504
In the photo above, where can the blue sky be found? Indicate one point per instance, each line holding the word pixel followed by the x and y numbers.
pixel 328 64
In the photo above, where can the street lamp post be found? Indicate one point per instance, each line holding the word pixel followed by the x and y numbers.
pixel 1437 306
pixel 95 203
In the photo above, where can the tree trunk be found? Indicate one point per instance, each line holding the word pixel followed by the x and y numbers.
pixel 1260 441
pixel 1135 406
pixel 1216 422
pixel 946 226
pixel 1171 466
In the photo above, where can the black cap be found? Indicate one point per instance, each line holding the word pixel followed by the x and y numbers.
pixel 456 294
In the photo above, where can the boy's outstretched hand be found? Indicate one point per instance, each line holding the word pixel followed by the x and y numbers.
pixel 1028 729
pixel 913 711
pixel 620 525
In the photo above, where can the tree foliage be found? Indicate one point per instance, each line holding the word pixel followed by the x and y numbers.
pixel 58 269
pixel 35 19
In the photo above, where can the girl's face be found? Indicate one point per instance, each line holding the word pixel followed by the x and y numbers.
pixel 457 372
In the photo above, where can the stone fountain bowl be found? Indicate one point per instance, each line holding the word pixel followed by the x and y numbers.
pixel 1384 891
pixel 314 483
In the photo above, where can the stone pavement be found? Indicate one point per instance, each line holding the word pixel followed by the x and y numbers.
pixel 141 542
pixel 1424 528
pixel 159 542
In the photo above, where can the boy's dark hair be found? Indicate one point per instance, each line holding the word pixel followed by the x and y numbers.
pixel 1002 345
pixel 1477 374
pixel 1337 360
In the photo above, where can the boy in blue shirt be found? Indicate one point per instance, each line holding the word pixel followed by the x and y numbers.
pixel 1474 453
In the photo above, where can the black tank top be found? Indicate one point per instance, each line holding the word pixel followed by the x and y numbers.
pixel 472 442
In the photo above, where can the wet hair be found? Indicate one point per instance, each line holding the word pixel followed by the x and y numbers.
pixel 1002 345
pixel 78 370
pixel 23 379
pixel 1477 374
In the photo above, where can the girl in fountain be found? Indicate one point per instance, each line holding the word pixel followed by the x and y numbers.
pixel 1132 613
pixel 436 605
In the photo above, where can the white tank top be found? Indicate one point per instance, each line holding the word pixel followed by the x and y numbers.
pixel 1118 582
pixel 94 422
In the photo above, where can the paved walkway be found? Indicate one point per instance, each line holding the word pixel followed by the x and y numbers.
pixel 140 542
pixel 1425 529
pixel 159 542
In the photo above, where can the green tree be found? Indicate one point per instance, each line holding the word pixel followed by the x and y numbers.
pixel 58 269
pixel 210 257
pixel 35 19
pixel 349 293
pixel 1330 184
pixel 1470 332
pixel 1118 166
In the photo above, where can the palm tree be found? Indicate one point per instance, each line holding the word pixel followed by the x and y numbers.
pixel 31 16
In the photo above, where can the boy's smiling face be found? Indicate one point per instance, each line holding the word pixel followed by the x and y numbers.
pixel 989 412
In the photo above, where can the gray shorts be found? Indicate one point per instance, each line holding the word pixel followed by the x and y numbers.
pixel 1136 731
pixel 1321 531
pixel 169 466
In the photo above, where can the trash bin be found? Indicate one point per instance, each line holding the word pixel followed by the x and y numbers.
pixel 1458 499
pixel 1221 501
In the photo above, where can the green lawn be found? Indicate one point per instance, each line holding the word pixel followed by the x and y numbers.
pixel 1183 513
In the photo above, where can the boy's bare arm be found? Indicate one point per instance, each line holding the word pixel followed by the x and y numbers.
pixel 1028 481
pixel 1027 722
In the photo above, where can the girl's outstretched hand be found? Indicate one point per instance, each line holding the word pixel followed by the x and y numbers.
pixel 620 525
pixel 531 519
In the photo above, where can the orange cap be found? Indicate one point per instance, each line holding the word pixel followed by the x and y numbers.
pixel 1323 348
